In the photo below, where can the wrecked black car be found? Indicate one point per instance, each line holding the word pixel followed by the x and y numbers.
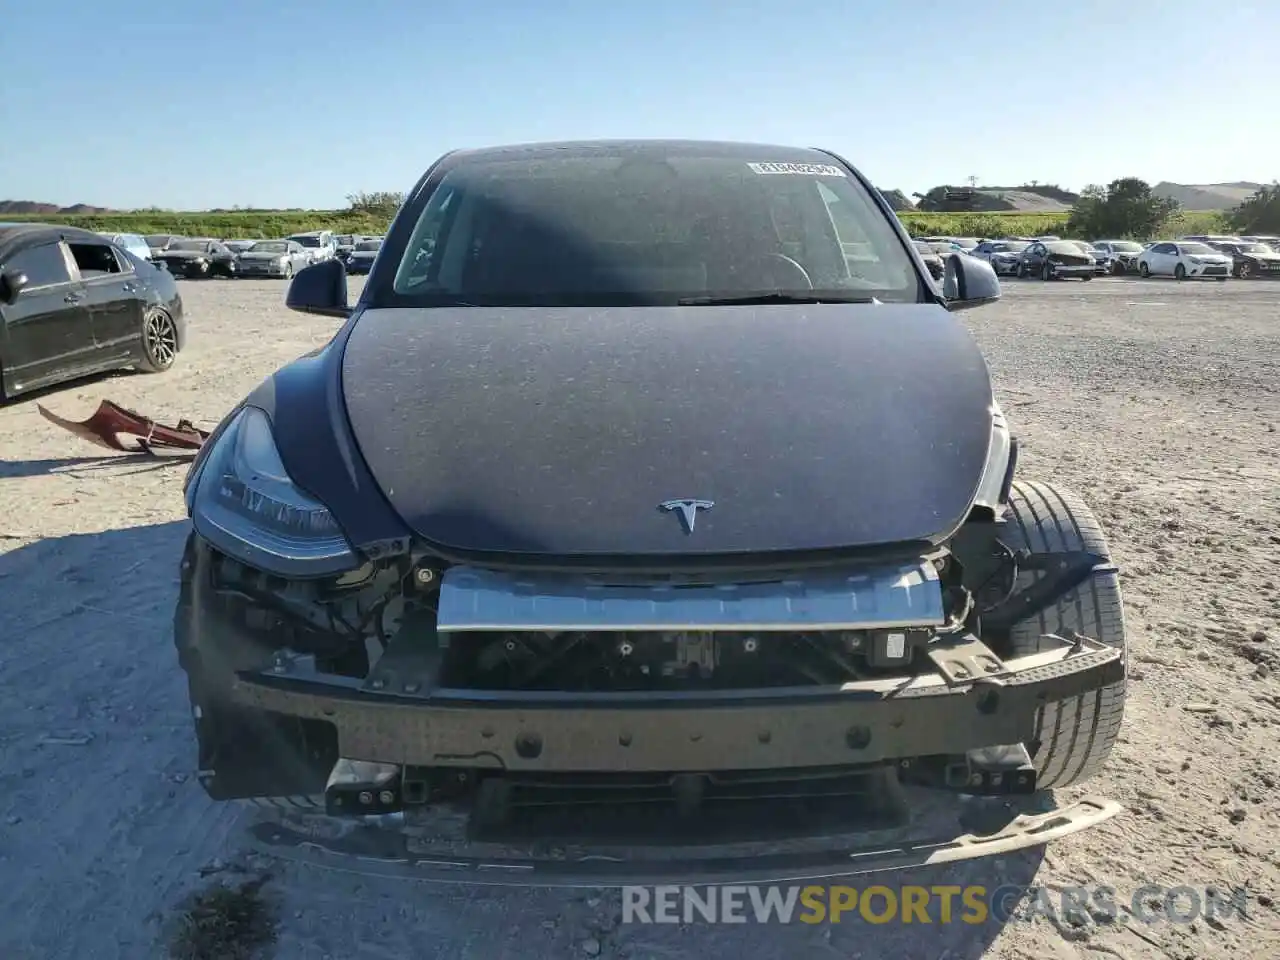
pixel 651 493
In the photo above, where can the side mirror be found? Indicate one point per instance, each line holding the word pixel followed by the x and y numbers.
pixel 968 282
pixel 11 285
pixel 320 289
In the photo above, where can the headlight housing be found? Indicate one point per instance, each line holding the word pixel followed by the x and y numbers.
pixel 244 503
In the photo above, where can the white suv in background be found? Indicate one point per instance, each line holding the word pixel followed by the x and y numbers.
pixel 319 244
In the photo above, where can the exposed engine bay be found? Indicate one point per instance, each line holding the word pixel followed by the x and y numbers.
pixel 346 623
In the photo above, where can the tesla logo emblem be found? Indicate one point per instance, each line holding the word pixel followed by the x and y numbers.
pixel 688 510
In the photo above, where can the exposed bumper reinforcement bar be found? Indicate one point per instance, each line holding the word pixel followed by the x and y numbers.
pixel 397 716
pixel 379 851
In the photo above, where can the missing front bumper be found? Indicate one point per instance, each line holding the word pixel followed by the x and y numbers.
pixel 436 848
pixel 397 716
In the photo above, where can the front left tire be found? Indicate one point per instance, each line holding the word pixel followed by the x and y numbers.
pixel 1073 737
pixel 159 341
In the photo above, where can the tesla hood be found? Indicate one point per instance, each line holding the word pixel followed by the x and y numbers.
pixel 562 431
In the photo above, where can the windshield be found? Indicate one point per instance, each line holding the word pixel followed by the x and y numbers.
pixel 923 247
pixel 629 226
pixel 307 241
pixel 1009 246
pixel 269 246
pixel 156 239
pixel 1062 246
pixel 368 246
pixel 189 245
pixel 1252 248
pixel 1196 248
pixel 1085 246
pixel 1125 246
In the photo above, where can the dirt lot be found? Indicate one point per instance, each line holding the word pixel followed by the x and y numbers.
pixel 1160 402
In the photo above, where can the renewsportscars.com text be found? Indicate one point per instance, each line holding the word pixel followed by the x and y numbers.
pixel 937 904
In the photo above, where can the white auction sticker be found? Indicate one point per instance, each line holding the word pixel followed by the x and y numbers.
pixel 804 169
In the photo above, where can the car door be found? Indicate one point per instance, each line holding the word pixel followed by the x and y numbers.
pixel 1165 259
pixel 1034 257
pixel 47 332
pixel 298 256
pixel 113 294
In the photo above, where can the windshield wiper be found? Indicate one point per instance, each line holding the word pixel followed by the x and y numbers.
pixel 753 298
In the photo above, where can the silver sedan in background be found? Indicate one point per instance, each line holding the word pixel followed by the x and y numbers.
pixel 273 258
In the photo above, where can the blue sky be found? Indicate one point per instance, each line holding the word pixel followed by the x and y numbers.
pixel 300 102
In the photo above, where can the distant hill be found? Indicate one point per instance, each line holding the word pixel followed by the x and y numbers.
pixel 1027 198
pixel 34 206
pixel 898 200
pixel 1207 196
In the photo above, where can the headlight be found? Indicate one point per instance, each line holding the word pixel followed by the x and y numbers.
pixel 1195 260
pixel 245 503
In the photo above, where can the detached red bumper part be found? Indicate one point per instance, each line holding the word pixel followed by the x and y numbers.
pixel 111 422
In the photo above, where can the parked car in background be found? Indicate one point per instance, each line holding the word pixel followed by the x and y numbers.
pixel 1270 241
pixel 360 260
pixel 1183 260
pixel 964 243
pixel 72 303
pixel 273 258
pixel 1099 261
pixel 131 242
pixel 239 246
pixel 344 243
pixel 1056 260
pixel 1211 238
pixel 199 258
pixel 1121 255
pixel 319 244
pixel 1250 259
pixel 159 242
pixel 1003 255
pixel 931 257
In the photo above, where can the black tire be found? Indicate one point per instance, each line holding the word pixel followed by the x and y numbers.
pixel 159 341
pixel 1086 278
pixel 1046 273
pixel 1144 271
pixel 1117 269
pixel 1243 271
pixel 1179 272
pixel 288 270
pixel 1074 737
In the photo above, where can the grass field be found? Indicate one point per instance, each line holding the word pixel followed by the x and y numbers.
pixel 259 224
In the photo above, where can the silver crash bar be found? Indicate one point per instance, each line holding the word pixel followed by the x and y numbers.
pixel 474 599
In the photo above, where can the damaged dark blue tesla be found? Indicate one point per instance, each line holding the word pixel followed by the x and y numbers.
pixel 651 496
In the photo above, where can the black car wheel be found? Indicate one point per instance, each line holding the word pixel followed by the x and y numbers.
pixel 1243 271
pixel 1074 735
pixel 1046 271
pixel 1117 269
pixel 159 341
pixel 288 270
pixel 1144 270
pixel 1179 272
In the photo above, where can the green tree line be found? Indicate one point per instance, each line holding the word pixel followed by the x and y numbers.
pixel 1122 208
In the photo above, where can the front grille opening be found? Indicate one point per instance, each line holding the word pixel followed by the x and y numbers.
pixel 679 809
